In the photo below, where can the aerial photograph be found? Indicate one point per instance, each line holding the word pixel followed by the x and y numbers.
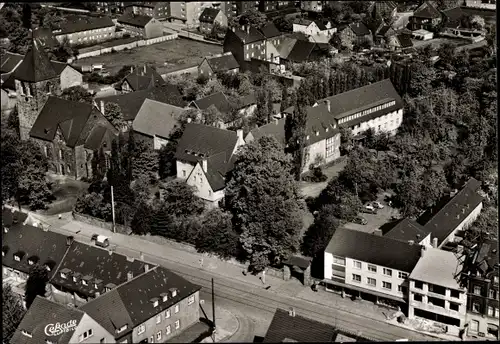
pixel 249 171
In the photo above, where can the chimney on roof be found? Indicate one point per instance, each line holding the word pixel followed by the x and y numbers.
pixel 102 106
pixel 327 102
pixel 239 133
pixel 144 70
pixel 110 252
pixel 418 237
pixel 5 229
pixel 435 242
pixel 411 242
pixel 291 312
pixel 130 275
pixel 422 251
pixel 248 29
pixel 377 232
pixel 204 165
pixel 131 69
pixel 69 240
pixel 146 267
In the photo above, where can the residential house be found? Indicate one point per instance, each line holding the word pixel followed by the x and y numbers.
pixel 303 51
pixel 307 26
pixel 271 6
pixel 68 133
pixel 130 103
pixel 480 275
pixel 157 9
pixel 245 43
pixel 205 155
pixel 187 12
pixel 45 37
pixel 426 17
pixel 355 34
pixel 369 266
pixel 50 322
pixel 24 245
pixel 435 293
pixel 456 215
pixel 229 8
pixel 141 78
pixel 410 231
pixel 244 6
pixel 155 123
pixel 400 42
pixel 209 17
pixel 87 272
pixel 140 25
pixel 271 34
pixel 220 63
pixel 274 129
pixel 384 35
pixel 484 4
pixel 111 7
pixel 312 6
pixel 456 25
pixel 387 9
pixel 153 307
pixel 377 106
pixel 89 31
pixel 9 63
pixel 34 80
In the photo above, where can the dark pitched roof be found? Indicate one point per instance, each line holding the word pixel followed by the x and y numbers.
pixel 98 264
pixel 157 119
pixel 297 328
pixel 45 37
pixel 427 10
pixel 407 230
pixel 275 129
pixel 208 15
pixel 130 103
pixel 253 35
pixel 453 17
pixel 455 211
pixel 300 36
pixel 142 78
pixel 386 29
pixel 137 20
pixel 10 61
pixel 222 63
pixel 359 29
pixel 302 21
pixel 405 41
pixel 350 102
pixel 269 30
pixel 375 249
pixel 97 136
pixel 286 46
pixel 302 51
pixel 80 24
pixel 202 141
pixel 48 247
pixel 36 65
pixel 321 24
pixel 219 100
pixel 41 313
pixel 129 304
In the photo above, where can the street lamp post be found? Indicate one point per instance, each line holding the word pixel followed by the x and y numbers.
pixel 113 208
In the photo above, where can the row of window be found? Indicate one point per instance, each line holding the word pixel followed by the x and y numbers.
pixel 373 282
pixel 436 302
pixel 492 293
pixel 85 335
pixel 366 112
pixel 492 311
pixel 91 38
pixel 372 268
pixel 384 126
pixel 331 146
pixel 433 288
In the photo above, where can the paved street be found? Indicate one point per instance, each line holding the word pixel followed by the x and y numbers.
pixel 253 306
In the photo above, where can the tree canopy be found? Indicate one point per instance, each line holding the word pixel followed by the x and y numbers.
pixel 36 284
pixel 12 312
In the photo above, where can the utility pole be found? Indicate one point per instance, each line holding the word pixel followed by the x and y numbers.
pixel 113 208
pixel 213 311
pixel 356 187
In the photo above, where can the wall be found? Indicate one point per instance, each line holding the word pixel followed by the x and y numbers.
pixel 463 225
pixel 319 148
pixel 9 101
pixel 389 122
pixel 205 69
pixel 482 325
pixel 198 179
pixel 99 334
pixel 70 77
pixel 255 50
pixel 424 305
pixel 188 315
pixel 311 30
pixel 206 27
pixel 101 223
pixel 183 167
pixel 159 142
pixel 153 29
pixel 90 36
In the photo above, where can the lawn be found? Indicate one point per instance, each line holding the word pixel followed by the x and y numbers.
pixel 164 56
pixel 66 191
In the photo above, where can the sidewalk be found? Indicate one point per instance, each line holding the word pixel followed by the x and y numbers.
pixel 226 323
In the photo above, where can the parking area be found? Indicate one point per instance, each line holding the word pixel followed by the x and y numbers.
pixel 375 221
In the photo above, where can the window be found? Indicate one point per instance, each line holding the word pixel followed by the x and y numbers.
pixel 474 325
pixel 141 329
pixel 387 285
pixel 330 147
pixel 357 265
pixel 191 300
pixel 167 314
pixel 183 173
pixel 63 275
pixel 84 282
pixel 419 285
pixel 387 272
pixel 158 319
pixel 339 261
pixel 371 281
pixel 356 278
pixel 85 335
pixel 158 335
pixel 476 307
pixel 402 289
pixel 17 259
pixel 402 275
pixel 491 311
pixel 455 294
pixel 177 324
pixel 176 309
pixel 60 154
pixel 477 290
pixel 417 297
pixel 372 268
pixel 167 330
pixel 152 339
pixel 491 294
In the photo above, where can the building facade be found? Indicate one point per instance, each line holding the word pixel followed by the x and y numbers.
pixel 245 43
pixel 311 6
pixel 140 25
pixel 87 33
pixel 209 18
pixel 157 10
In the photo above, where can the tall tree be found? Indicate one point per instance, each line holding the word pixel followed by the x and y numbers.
pixel 114 114
pixel 77 94
pixel 216 235
pixel 12 312
pixel 320 233
pixel 265 202
pixel 36 284
pixel 295 134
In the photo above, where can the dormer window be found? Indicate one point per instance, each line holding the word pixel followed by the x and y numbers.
pixel 84 282
pixel 164 297
pixel 17 258
pixel 63 275
pixel 174 292
pixel 155 301
pixel 121 329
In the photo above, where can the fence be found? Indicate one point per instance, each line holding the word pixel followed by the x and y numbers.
pixel 183 70
pixel 101 223
pixel 102 49
pixel 196 37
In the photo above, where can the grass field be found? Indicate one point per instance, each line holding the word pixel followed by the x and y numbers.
pixel 164 56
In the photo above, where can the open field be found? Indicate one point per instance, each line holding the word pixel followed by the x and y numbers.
pixel 164 56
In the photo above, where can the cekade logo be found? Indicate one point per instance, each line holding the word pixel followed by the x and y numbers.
pixel 57 329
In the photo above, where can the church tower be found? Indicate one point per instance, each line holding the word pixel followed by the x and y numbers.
pixel 35 80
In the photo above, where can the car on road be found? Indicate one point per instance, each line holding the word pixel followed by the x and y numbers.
pixel 369 209
pixel 100 240
pixel 360 220
pixel 377 205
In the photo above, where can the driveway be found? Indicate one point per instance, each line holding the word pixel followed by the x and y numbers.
pixel 375 221
pixel 314 189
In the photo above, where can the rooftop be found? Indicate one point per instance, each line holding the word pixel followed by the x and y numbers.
pixel 222 62
pixel 407 230
pixel 142 78
pixel 209 14
pixel 219 100
pixel 246 37
pixel 375 249
pixel 89 23
pixel 427 10
pixel 276 129
pixel 442 273
pixel 157 119
pixel 137 20
pixel 36 65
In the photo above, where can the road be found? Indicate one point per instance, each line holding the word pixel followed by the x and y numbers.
pixel 254 307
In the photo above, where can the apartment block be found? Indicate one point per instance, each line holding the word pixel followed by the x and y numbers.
pixel 188 12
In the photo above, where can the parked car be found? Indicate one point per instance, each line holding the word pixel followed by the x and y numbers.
pixel 100 240
pixel 377 205
pixel 369 211
pixel 360 220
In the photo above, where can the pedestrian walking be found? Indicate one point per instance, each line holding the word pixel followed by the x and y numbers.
pixel 201 263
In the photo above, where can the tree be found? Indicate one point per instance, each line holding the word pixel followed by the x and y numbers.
pixel 346 140
pixel 295 134
pixel 421 78
pixel 77 94
pixel 487 222
pixel 36 284
pixel 98 164
pixel 211 116
pixel 167 160
pixel 347 208
pixel 319 234
pixel 27 14
pixel 252 17
pixel 216 235
pixel 180 198
pixel 12 312
pixel 265 202
pixel 114 115
pixel 141 223
pixel 142 159
pixel 284 24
